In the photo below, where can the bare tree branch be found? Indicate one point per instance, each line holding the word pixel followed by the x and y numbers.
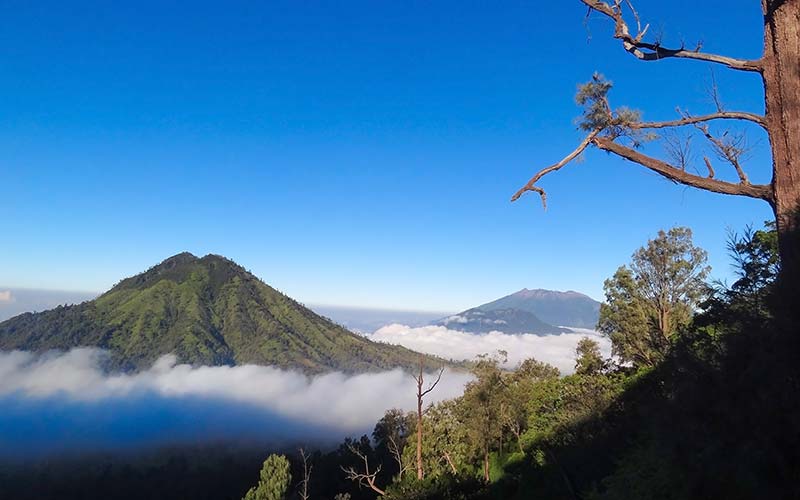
pixel 397 454
pixel 760 191
pixel 709 167
pixel 303 486
pixel 433 385
pixel 691 120
pixel 531 185
pixel 654 51
pixel 678 148
pixel 365 478
pixel 449 461
pixel 729 150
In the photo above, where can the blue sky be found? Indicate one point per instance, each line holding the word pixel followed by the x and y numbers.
pixel 351 153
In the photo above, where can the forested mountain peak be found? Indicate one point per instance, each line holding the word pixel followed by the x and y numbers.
pixel 206 310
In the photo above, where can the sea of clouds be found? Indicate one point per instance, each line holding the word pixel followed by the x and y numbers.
pixel 557 350
pixel 65 402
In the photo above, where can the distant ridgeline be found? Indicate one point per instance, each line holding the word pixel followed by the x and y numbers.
pixel 207 311
pixel 528 311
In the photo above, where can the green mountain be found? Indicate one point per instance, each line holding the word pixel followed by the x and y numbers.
pixel 207 311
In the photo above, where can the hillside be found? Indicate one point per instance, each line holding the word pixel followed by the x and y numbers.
pixel 208 311
pixel 553 307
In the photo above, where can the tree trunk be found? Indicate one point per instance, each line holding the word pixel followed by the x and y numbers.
pixel 781 76
pixel 419 438
pixel 450 462
pixel 486 463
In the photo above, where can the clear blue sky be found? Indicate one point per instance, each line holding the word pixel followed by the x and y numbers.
pixel 352 153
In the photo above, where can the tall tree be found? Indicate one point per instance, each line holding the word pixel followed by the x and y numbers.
pixel 620 131
pixel 520 387
pixel 274 481
pixel 481 406
pixel 648 303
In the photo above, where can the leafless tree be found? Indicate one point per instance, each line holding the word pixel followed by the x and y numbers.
pixel 303 486
pixel 366 477
pixel 397 454
pixel 620 131
pixel 421 393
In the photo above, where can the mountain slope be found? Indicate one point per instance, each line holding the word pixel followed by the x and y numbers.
pixel 207 311
pixel 512 321
pixel 557 308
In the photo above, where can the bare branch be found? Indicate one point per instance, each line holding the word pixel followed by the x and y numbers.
pixel 710 168
pixel 730 149
pixel 397 454
pixel 303 486
pixel 365 478
pixel 654 51
pixel 449 460
pixel 531 185
pixel 691 120
pixel 432 386
pixel 678 148
pixel 713 93
pixel 760 191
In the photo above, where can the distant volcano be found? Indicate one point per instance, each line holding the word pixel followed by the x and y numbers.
pixel 540 312
pixel 207 311
pixel 556 308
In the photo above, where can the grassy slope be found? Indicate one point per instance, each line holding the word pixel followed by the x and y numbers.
pixel 206 311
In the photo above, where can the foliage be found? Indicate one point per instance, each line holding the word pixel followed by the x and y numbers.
pixel 274 481
pixel 207 311
pixel 589 361
pixel 598 115
pixel 650 302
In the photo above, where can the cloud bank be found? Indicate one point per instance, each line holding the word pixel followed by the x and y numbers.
pixel 557 350
pixel 65 402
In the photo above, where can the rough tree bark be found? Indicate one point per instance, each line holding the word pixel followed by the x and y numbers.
pixel 781 77
pixel 779 67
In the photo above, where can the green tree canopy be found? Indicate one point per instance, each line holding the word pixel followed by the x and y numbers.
pixel 588 361
pixel 274 481
pixel 650 301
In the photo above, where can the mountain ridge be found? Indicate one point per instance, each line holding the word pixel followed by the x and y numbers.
pixel 206 310
pixel 568 309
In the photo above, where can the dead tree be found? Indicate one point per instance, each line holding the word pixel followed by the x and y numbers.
pixel 303 486
pixel 397 454
pixel 420 379
pixel 620 131
pixel 365 478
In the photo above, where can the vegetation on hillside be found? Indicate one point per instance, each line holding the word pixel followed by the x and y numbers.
pixel 702 420
pixel 207 311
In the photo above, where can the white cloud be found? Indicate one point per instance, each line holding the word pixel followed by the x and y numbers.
pixel 6 296
pixel 557 350
pixel 456 319
pixel 344 403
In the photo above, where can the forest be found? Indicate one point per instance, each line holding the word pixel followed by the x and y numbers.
pixel 693 403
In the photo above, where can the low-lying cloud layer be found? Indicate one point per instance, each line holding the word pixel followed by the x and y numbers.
pixel 64 401
pixel 557 350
